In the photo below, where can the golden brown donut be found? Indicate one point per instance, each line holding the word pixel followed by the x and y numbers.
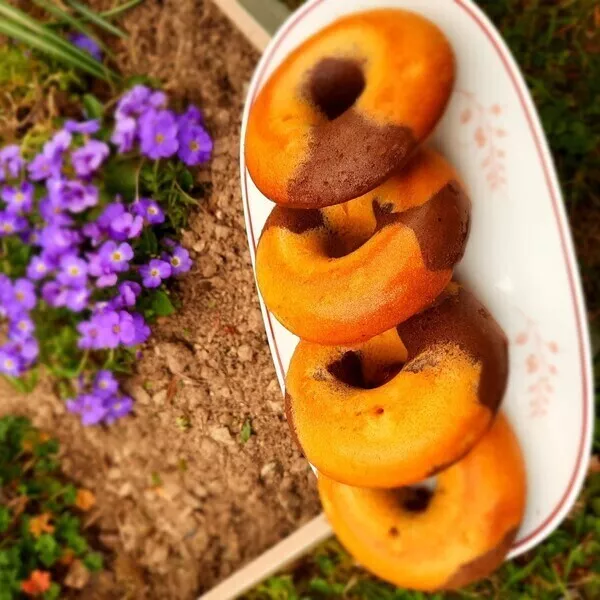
pixel 442 540
pixel 345 273
pixel 347 107
pixel 404 405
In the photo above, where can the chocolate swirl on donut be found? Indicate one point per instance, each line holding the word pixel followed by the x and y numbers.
pixel 441 225
pixel 458 318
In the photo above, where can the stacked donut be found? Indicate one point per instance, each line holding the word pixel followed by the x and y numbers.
pixel 400 370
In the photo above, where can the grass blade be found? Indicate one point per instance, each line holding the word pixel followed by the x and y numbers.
pixel 24 21
pixel 40 43
pixel 73 22
pixel 97 19
pixel 113 12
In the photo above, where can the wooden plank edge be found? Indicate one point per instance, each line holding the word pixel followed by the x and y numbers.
pixel 245 22
pixel 282 554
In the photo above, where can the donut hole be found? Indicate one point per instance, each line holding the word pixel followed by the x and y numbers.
pixel 334 85
pixel 414 499
pixel 351 369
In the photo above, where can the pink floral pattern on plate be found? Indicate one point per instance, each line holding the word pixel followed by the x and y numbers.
pixel 540 366
pixel 484 126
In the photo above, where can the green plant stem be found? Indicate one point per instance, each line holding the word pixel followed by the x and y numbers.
pixel 137 178
pixel 82 363
pixel 109 359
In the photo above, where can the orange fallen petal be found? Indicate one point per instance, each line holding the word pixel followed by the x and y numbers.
pixel 38 583
pixel 85 499
pixel 41 524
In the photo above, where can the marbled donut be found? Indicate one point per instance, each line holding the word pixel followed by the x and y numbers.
pixel 345 273
pixel 442 539
pixel 347 108
pixel 404 405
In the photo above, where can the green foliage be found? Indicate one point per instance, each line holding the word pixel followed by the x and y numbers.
pixel 246 431
pixel 21 27
pixel 39 526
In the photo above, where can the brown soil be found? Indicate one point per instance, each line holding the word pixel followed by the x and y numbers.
pixel 182 501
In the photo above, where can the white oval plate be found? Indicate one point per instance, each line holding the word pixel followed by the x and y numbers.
pixel 519 258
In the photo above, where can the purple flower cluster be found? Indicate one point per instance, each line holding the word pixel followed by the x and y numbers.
pixel 83 246
pixel 103 403
pixel 141 117
pixel 17 300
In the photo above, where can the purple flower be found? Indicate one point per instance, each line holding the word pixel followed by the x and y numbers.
pixel 58 144
pixel 73 270
pixel 124 134
pixel 111 212
pixel 11 162
pixel 72 195
pixel 76 299
pixel 87 159
pixel 49 162
pixel 89 334
pixel 126 226
pixel 21 327
pixel 89 406
pixel 195 145
pixel 19 200
pixel 39 267
pixel 149 210
pixel 97 267
pixel 133 102
pixel 180 261
pixel 10 361
pixel 158 134
pixel 93 232
pixel 116 257
pixel 128 294
pixel 154 272
pixel 24 294
pixel 157 99
pixel 55 294
pixel 105 384
pixel 11 224
pixel 142 331
pixel 43 167
pixel 118 407
pixel 53 213
pixel 192 116
pixel 112 328
pixel 83 127
pixel 86 44
pixel 28 349
pixel 56 240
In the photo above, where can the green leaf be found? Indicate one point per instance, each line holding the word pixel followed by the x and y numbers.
pixel 53 593
pixel 113 12
pixel 97 19
pixel 94 109
pixel 47 549
pixel 77 543
pixel 93 561
pixel 120 178
pixel 41 43
pixel 246 431
pixel 73 22
pixel 186 180
pixel 161 304
pixel 5 519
